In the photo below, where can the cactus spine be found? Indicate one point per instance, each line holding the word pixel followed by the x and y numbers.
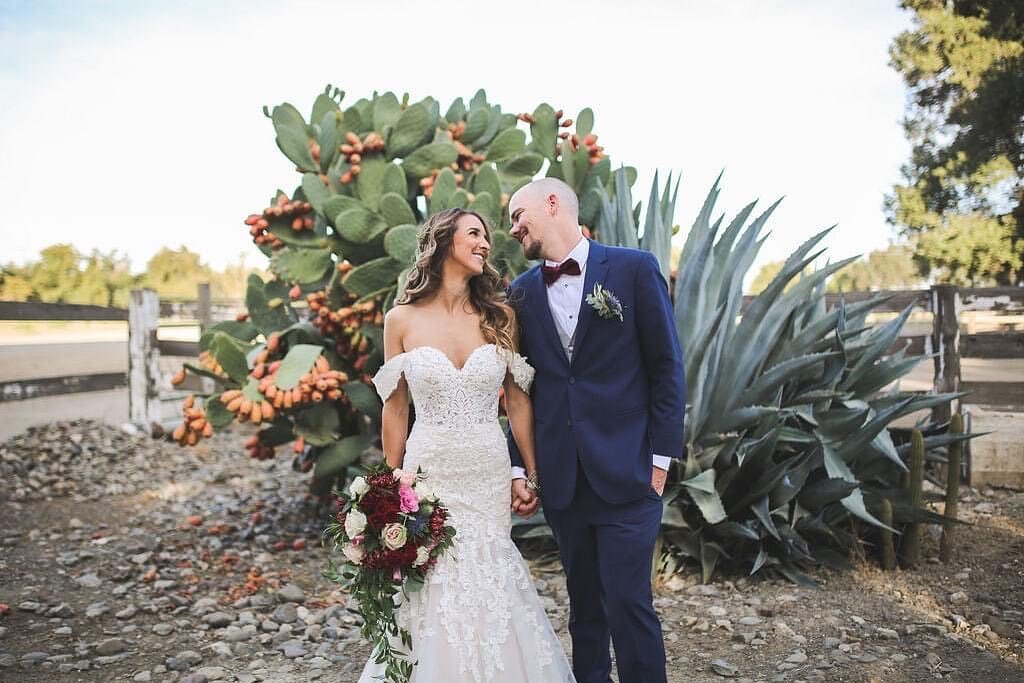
pixel 956 426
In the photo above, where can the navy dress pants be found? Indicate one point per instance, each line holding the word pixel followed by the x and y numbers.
pixel 606 552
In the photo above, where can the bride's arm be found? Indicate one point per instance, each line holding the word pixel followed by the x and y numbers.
pixel 395 415
pixel 520 419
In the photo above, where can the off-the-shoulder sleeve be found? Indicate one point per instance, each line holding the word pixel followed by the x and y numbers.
pixel 386 379
pixel 522 372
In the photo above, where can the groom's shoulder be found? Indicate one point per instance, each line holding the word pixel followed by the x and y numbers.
pixel 628 255
pixel 520 281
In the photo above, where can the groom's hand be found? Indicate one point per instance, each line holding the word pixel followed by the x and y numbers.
pixel 524 501
pixel 658 477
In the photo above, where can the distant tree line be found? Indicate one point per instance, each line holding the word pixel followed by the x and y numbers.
pixel 63 274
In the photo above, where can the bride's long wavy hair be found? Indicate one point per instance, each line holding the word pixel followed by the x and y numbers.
pixel 486 295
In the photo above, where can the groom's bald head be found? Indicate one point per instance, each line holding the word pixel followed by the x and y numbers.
pixel 545 190
pixel 545 218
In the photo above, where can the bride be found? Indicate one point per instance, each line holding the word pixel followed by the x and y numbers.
pixel 451 345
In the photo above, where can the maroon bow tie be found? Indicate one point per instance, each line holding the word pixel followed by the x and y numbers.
pixel 566 267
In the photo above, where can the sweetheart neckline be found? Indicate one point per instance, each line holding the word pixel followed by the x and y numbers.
pixel 447 358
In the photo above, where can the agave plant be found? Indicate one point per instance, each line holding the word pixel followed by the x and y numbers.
pixel 789 402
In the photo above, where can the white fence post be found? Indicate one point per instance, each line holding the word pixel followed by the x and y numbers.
pixel 204 310
pixel 143 359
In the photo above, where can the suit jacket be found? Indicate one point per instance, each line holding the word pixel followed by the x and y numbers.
pixel 623 395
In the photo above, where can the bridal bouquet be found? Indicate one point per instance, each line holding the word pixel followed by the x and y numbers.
pixel 391 528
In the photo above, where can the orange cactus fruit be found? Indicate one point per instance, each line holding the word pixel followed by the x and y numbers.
pixel 179 377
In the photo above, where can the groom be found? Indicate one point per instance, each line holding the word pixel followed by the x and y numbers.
pixel 609 398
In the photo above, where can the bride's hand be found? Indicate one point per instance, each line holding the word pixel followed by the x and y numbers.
pixel 524 501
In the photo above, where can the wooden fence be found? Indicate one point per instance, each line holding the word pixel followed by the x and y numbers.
pixel 143 379
pixel 946 341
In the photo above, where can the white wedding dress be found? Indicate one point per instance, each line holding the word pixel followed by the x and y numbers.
pixel 478 618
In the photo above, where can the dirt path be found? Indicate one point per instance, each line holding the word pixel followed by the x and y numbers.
pixel 156 564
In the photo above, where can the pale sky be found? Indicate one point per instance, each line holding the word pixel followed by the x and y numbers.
pixel 134 125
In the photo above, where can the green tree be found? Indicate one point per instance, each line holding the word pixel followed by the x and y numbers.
pixel 961 204
pixel 56 277
pixel 14 283
pixel 890 268
pixel 230 283
pixel 176 273
pixel 765 276
pixel 106 280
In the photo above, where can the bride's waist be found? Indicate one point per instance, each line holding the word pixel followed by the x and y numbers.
pixel 434 424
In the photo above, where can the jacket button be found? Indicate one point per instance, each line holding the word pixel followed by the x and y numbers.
pixel 569 422
pixel 572 380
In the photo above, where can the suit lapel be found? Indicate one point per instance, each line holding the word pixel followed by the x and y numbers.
pixel 597 268
pixel 537 295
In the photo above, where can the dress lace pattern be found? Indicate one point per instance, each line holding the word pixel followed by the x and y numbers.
pixel 479 617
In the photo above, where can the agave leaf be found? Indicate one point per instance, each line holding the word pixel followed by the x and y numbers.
pixel 709 554
pixel 702 490
pixel 734 530
pixel 882 337
pixel 769 381
pixel 764 515
pixel 700 224
pixel 759 561
pixel 657 237
pixel 940 440
pixel 818 494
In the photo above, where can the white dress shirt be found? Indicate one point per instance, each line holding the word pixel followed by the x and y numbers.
pixel 565 299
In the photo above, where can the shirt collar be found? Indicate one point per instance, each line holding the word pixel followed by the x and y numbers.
pixel 580 253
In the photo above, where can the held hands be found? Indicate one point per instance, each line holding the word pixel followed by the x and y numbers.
pixel 524 501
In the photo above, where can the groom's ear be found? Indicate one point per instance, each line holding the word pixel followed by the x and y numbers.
pixel 552 203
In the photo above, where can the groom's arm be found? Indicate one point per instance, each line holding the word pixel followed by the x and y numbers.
pixel 663 361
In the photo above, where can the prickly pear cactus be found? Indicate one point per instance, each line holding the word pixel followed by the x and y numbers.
pixel 297 365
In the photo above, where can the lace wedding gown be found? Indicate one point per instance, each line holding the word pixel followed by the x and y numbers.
pixel 478 618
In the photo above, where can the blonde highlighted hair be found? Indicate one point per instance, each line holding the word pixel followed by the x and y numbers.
pixel 486 295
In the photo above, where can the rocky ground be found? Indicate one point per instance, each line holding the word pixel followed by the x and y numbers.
pixel 125 559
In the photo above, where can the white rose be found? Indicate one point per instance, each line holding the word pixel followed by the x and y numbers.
pixel 422 555
pixel 355 522
pixel 394 536
pixel 354 553
pixel 359 487
pixel 424 491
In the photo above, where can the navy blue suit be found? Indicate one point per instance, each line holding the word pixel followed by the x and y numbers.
pixel 597 421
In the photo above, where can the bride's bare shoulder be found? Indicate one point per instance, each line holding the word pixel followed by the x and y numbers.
pixel 399 316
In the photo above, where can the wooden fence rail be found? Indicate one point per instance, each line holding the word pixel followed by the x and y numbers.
pixel 144 316
pixel 946 341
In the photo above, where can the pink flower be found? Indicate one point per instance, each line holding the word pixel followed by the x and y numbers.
pixel 407 499
pixel 358 540
pixel 405 478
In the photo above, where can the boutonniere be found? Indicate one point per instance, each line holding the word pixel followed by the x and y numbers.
pixel 605 303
